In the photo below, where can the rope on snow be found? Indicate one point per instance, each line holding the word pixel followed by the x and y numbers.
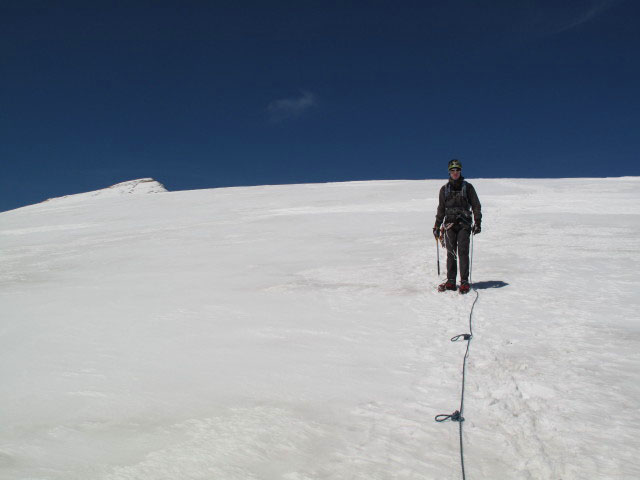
pixel 457 415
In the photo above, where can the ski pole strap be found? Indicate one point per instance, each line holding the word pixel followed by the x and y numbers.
pixel 454 417
pixel 464 336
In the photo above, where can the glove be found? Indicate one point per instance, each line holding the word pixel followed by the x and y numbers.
pixel 476 229
pixel 436 232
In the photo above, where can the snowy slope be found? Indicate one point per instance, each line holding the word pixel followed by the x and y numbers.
pixel 293 332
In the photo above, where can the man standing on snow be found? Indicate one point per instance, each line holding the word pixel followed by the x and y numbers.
pixel 457 199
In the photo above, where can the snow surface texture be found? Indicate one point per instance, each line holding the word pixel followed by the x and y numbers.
pixel 294 332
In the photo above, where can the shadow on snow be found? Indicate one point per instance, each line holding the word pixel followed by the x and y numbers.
pixel 489 284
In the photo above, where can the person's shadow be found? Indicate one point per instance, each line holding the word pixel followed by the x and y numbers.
pixel 489 284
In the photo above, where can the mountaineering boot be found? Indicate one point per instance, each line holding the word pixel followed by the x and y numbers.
pixel 464 288
pixel 447 286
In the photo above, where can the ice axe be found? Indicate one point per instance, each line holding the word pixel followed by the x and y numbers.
pixel 438 254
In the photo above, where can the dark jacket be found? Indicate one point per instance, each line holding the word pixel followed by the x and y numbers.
pixel 456 207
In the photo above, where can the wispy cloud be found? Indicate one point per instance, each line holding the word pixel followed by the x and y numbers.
pixel 291 107
pixel 593 10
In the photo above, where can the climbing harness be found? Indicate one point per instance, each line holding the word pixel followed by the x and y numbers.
pixel 457 415
pixel 457 203
pixel 463 191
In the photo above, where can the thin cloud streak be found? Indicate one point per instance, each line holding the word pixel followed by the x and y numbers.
pixel 291 107
pixel 595 10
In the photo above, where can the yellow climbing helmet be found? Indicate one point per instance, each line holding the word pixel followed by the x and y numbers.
pixel 455 163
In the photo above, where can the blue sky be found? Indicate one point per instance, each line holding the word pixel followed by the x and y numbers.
pixel 207 94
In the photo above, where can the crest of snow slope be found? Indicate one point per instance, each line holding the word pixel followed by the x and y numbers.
pixel 293 332
pixel 140 186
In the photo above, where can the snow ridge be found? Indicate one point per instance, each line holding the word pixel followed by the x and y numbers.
pixel 131 187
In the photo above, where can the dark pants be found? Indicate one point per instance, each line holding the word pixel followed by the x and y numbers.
pixel 457 240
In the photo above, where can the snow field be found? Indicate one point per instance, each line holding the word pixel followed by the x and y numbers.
pixel 294 332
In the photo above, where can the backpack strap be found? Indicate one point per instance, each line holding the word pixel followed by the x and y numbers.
pixel 447 190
